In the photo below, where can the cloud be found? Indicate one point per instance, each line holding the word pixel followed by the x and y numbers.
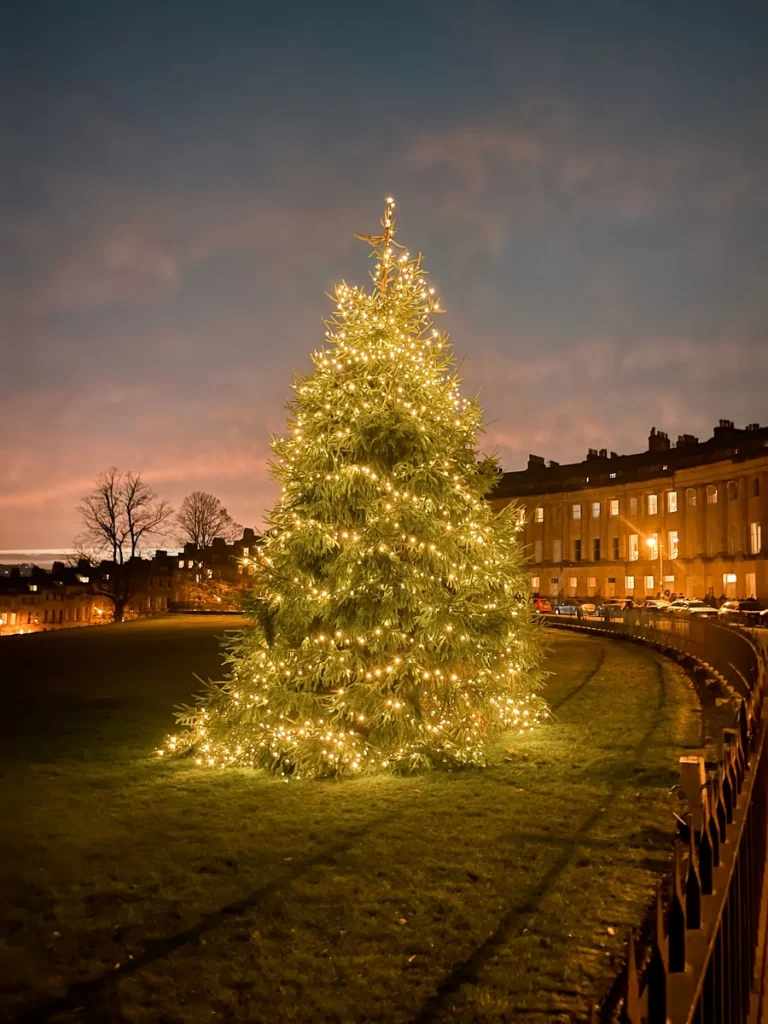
pixel 566 160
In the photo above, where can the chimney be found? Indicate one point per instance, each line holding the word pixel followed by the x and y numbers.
pixel 687 441
pixel 603 453
pixel 614 455
pixel 658 441
pixel 535 462
pixel 753 426
pixel 591 453
pixel 724 425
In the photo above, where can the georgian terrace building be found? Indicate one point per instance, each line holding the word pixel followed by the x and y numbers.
pixel 688 517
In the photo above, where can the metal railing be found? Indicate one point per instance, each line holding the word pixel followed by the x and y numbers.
pixel 695 961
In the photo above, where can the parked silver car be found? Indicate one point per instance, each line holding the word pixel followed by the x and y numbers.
pixel 697 609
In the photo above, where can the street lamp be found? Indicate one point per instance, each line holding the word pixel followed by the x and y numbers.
pixel 652 543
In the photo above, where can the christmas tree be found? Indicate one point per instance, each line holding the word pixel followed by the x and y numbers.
pixel 390 621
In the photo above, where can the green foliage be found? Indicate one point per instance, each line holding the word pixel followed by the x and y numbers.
pixel 391 623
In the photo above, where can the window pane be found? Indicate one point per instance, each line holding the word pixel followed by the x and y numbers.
pixel 756 538
pixel 540 514
pixel 576 511
pixel 614 506
pixel 595 509
pixel 653 504
pixel 634 547
pixel 671 501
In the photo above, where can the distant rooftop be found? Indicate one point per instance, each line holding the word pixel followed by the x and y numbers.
pixel 603 468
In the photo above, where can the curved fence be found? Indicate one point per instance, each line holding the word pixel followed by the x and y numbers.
pixel 696 961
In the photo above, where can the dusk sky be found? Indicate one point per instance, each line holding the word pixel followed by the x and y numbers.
pixel 180 184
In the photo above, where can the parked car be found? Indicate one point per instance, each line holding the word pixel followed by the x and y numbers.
pixel 747 613
pixel 542 605
pixel 697 609
pixel 615 604
pixel 678 605
pixel 571 606
pixel 655 604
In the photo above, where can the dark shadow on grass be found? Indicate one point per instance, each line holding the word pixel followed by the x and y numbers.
pixel 468 972
pixel 585 682
pixel 88 998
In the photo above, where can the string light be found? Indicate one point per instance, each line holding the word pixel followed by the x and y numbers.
pixel 391 627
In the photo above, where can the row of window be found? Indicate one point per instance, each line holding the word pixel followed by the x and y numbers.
pixel 649 583
pixel 652 501
pixel 670 550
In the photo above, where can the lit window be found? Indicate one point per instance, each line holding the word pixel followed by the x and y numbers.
pixel 521 516
pixel 573 582
pixel 539 514
pixel 690 497
pixel 557 550
pixel 733 490
pixel 614 506
pixel 612 476
pixel 671 501
pixel 672 544
pixel 649 582
pixel 576 511
pixel 535 583
pixel 595 509
pixel 633 506
pixel 596 549
pixel 711 494
pixel 592 582
pixel 755 538
pixel 634 547
pixel 730 577
pixel 653 504
pixel 629 583
pixel 181 563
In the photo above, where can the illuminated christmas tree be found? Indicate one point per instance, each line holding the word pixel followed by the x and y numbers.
pixel 390 621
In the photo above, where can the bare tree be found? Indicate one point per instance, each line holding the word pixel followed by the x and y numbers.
pixel 203 517
pixel 120 515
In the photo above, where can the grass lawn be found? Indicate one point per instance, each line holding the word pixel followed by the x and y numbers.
pixel 134 889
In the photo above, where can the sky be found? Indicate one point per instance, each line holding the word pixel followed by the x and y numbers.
pixel 180 184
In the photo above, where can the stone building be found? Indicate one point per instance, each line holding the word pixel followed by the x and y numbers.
pixel 199 580
pixel 210 579
pixel 687 518
pixel 38 602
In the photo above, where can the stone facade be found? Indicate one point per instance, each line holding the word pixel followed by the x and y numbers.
pixel 587 525
pixel 201 580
